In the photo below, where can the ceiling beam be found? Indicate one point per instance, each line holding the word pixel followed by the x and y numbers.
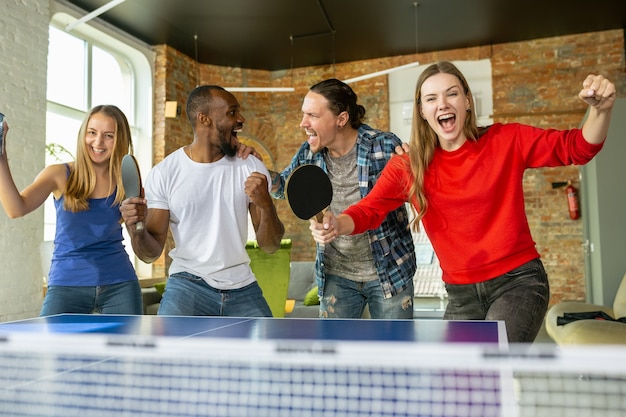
pixel 94 14
pixel 378 73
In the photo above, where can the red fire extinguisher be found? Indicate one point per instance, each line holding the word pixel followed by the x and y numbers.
pixel 572 201
pixel 572 198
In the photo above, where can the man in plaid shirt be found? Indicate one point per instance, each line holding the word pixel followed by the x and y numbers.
pixel 375 268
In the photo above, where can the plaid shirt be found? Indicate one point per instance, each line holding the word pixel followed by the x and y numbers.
pixel 392 243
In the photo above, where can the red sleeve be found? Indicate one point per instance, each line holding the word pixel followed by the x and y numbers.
pixel 389 192
pixel 551 147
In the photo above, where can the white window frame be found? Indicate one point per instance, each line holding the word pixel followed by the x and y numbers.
pixel 140 57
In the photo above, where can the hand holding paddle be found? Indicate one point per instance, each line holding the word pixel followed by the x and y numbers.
pixel 331 226
pixel 308 191
pixel 131 179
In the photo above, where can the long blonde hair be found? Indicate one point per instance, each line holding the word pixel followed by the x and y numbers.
pixel 424 139
pixel 82 179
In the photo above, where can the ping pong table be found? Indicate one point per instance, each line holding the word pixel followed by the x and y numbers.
pixel 103 365
pixel 270 329
pixel 159 366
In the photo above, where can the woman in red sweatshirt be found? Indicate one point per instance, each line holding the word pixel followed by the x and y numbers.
pixel 465 185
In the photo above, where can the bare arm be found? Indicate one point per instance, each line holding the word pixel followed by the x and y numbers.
pixel 268 227
pixel 599 93
pixel 51 179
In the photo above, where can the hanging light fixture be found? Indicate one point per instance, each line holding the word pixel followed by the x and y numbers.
pixel 331 31
pixel 390 70
pixel 243 89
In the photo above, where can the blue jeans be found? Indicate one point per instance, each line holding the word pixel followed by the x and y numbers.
pixel 519 298
pixel 122 298
pixel 344 298
pixel 189 295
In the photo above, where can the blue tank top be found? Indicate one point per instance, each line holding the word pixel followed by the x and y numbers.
pixel 88 249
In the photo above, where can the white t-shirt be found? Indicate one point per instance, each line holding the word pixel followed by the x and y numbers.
pixel 208 215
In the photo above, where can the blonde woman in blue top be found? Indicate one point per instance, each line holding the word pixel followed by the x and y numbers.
pixel 90 270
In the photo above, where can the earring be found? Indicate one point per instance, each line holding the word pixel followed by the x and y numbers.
pixel 469 109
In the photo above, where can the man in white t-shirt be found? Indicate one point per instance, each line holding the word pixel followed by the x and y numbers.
pixel 203 192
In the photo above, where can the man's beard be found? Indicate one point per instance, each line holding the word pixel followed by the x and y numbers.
pixel 228 149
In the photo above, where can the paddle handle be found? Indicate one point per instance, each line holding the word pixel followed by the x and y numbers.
pixel 139 226
pixel 319 216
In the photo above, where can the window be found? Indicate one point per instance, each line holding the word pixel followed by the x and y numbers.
pixel 80 75
pixel 88 67
pixel 427 280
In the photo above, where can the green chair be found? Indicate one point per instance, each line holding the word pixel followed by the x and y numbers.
pixel 272 273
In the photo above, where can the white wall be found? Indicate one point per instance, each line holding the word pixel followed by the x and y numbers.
pixel 23 78
pixel 402 94
pixel 23 67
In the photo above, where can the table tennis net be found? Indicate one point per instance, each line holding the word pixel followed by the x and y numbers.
pixel 133 376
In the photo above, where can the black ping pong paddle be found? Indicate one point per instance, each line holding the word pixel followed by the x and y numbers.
pixel 308 191
pixel 131 179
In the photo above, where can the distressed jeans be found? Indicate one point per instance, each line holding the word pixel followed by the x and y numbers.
pixel 189 295
pixel 344 298
pixel 519 298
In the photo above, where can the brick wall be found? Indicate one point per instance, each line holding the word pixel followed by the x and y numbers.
pixel 23 48
pixel 537 83
pixel 533 82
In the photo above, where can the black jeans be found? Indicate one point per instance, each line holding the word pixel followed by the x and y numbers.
pixel 519 298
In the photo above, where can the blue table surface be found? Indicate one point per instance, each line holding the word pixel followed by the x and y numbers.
pixel 435 331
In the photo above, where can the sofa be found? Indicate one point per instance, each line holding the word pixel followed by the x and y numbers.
pixel 302 299
pixel 301 283
pixel 589 331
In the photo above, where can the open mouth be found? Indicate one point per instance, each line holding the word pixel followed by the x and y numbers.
pixel 447 121
pixel 311 135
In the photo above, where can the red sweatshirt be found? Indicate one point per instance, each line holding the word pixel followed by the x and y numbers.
pixel 476 220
